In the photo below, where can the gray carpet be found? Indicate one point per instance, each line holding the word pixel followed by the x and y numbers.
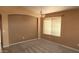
pixel 37 46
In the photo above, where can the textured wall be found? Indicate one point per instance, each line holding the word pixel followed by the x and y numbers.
pixel 5 30
pixel 21 28
pixel 69 28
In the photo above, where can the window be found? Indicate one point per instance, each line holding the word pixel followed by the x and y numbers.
pixel 47 26
pixel 52 26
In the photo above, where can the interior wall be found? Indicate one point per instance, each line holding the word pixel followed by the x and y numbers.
pixel 5 34
pixel 69 28
pixel 21 28
pixel 39 27
pixel 17 10
pixel 5 11
pixel 0 33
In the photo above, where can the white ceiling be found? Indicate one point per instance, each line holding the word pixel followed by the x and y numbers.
pixel 48 9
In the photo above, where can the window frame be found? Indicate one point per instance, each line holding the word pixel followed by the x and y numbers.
pixel 59 35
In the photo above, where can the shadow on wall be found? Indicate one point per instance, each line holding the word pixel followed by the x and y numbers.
pixel 21 27
pixel 69 28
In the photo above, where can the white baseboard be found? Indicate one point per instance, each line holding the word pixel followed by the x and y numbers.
pixel 38 38
pixel 68 47
pixel 4 46
pixel 19 42
pixel 74 49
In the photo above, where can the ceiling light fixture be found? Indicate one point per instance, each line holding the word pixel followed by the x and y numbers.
pixel 41 12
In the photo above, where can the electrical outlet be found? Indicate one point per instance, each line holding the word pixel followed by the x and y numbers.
pixel 77 44
pixel 23 37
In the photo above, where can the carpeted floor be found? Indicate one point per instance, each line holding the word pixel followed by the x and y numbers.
pixel 37 46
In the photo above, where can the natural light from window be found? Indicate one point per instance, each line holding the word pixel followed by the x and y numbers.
pixel 52 26
pixel 47 26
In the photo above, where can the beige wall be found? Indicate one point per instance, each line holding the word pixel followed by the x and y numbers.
pixel 21 28
pixel 0 33
pixel 17 10
pixel 0 39
pixel 39 27
pixel 5 30
pixel 5 11
pixel 69 28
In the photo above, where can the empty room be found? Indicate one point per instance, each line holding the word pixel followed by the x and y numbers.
pixel 39 29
